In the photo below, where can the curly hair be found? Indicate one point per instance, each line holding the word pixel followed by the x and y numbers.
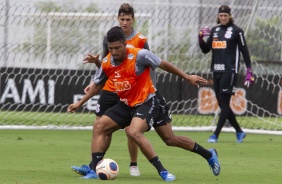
pixel 116 34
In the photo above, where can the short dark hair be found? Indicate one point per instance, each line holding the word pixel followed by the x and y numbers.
pixel 126 9
pixel 116 34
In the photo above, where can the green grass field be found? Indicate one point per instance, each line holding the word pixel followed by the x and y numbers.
pixel 45 156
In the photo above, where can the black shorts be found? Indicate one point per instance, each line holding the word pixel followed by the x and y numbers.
pixel 107 100
pixel 122 114
pixel 225 82
pixel 164 116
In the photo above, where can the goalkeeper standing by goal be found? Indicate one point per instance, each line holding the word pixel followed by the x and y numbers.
pixel 226 40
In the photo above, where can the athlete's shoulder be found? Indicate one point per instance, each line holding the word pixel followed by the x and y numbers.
pixel 146 54
pixel 236 29
pixel 142 37
pixel 133 49
pixel 105 59
pixel 215 28
pixel 138 34
pixel 144 51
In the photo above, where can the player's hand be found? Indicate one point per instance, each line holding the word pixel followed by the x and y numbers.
pixel 196 80
pixel 204 32
pixel 91 59
pixel 249 79
pixel 86 89
pixel 73 107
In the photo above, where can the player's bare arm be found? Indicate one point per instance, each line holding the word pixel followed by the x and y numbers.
pixel 193 79
pixel 93 90
pixel 86 89
pixel 92 59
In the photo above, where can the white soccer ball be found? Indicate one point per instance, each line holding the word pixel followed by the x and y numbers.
pixel 107 169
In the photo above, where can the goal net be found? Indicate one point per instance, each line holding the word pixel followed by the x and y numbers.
pixel 42 45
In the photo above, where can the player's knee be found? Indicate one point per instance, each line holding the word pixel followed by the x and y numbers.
pixel 99 126
pixel 169 141
pixel 133 133
pixel 129 132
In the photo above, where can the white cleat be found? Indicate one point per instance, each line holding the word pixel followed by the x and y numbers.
pixel 134 171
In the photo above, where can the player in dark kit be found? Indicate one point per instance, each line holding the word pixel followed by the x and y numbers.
pixel 226 40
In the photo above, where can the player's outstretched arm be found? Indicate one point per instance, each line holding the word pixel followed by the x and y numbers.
pixel 94 90
pixel 193 79
pixel 86 89
pixel 92 59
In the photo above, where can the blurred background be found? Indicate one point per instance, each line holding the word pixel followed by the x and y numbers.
pixel 43 43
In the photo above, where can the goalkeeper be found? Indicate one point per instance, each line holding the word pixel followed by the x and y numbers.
pixel 227 41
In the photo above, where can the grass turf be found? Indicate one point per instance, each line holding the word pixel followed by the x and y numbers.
pixel 45 156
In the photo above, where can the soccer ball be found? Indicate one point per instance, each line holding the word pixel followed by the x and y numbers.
pixel 107 169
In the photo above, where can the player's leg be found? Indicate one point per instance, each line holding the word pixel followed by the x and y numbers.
pixel 141 122
pixel 240 135
pixel 85 169
pixel 115 118
pixel 167 135
pixel 227 83
pixel 103 129
pixel 107 100
pixel 137 128
pixel 223 95
pixel 223 90
pixel 133 153
pixel 216 86
pixel 133 147
pixel 163 127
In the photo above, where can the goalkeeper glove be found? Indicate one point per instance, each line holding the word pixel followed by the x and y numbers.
pixel 204 32
pixel 249 79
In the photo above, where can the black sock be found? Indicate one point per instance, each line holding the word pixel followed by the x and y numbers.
pixel 96 157
pixel 91 161
pixel 157 163
pixel 202 151
pixel 133 164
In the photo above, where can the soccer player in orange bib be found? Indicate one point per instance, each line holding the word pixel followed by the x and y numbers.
pixel 129 70
pixel 108 95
